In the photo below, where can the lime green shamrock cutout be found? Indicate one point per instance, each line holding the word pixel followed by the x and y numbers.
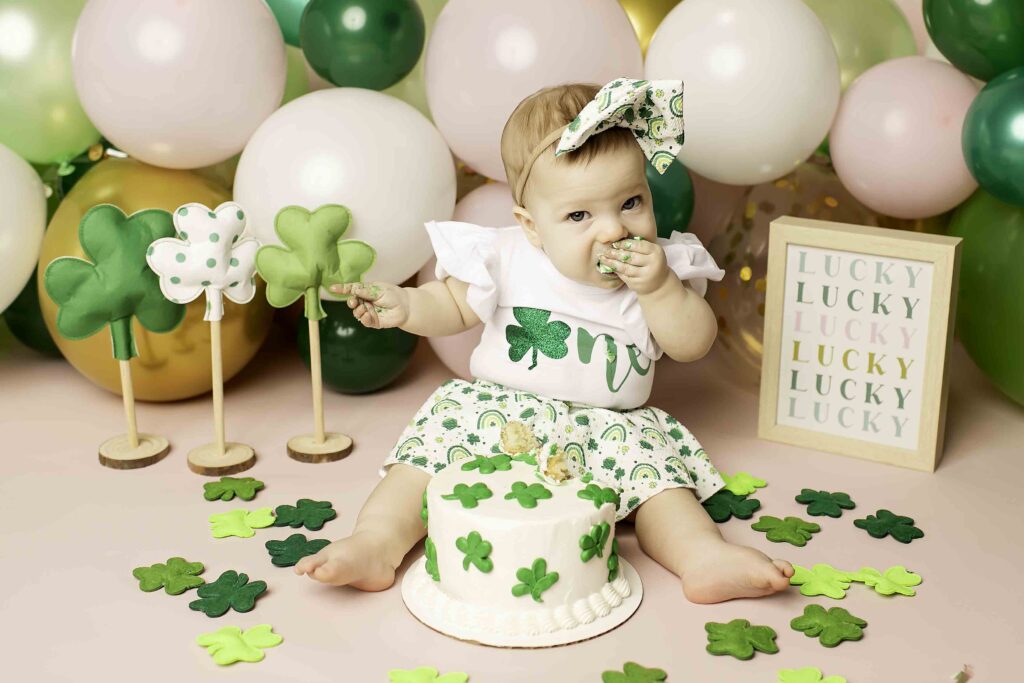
pixel 634 673
pixel 477 552
pixel 725 505
pixel 823 503
pixel 613 561
pixel 599 496
pixel 231 590
pixel 240 522
pixel 821 579
pixel 742 484
pixel 312 514
pixel 115 283
pixel 175 576
pixel 884 523
pixel 739 639
pixel 430 566
pixel 536 334
pixel 488 464
pixel 593 543
pixel 469 496
pixel 313 256
pixel 229 644
pixel 789 530
pixel 831 626
pixel 534 580
pixel 425 674
pixel 423 510
pixel 229 487
pixel 893 581
pixel 807 675
pixel 528 494
pixel 288 552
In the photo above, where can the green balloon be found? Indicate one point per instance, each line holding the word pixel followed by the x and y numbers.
pixel 672 192
pixel 296 80
pixel 990 310
pixel 362 43
pixel 25 320
pixel 289 15
pixel 983 38
pixel 41 118
pixel 357 359
pixel 993 137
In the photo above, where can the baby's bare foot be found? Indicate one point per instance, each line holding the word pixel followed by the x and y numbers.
pixel 360 561
pixel 723 571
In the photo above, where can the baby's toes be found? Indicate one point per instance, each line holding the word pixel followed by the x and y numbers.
pixel 309 563
pixel 785 567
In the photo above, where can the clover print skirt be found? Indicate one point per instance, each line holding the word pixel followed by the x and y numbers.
pixel 640 452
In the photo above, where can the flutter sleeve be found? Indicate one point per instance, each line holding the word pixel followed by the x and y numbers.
pixel 469 253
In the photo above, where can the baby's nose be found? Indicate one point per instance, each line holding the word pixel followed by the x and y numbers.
pixel 612 231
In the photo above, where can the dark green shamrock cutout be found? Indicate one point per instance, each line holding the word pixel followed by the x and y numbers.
pixel 537 334
pixel 634 673
pixel 469 496
pixel 593 543
pixel 534 580
pixel 831 626
pixel 288 552
pixel 823 503
pixel 312 514
pixel 229 487
pixel 423 510
pixel 725 505
pixel 231 590
pixel 739 639
pixel 884 523
pixel 488 464
pixel 430 552
pixel 175 576
pixel 528 495
pixel 476 551
pixel 789 530
pixel 599 496
pixel 613 561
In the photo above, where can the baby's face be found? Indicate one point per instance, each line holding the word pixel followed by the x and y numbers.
pixel 579 210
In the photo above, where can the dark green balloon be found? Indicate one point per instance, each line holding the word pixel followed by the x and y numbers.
pixel 362 43
pixel 672 192
pixel 289 16
pixel 357 359
pixel 990 310
pixel 993 137
pixel 25 320
pixel 983 38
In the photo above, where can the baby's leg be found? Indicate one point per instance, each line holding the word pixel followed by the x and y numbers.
pixel 388 526
pixel 676 532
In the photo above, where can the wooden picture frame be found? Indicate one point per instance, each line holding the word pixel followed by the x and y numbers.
pixel 850 364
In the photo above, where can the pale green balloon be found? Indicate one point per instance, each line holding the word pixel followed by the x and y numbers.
pixel 864 33
pixel 41 118
pixel 297 80
pixel 413 88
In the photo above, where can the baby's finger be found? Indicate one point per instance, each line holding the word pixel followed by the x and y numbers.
pixel 631 257
pixel 634 244
pixel 622 269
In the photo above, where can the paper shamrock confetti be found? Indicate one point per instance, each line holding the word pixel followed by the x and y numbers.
pixel 724 505
pixel 425 674
pixel 240 522
pixel 175 576
pixel 823 503
pixel 831 626
pixel 634 673
pixel 894 580
pixel 288 552
pixel 469 496
pixel 534 580
pixel 821 579
pixel 229 644
pixel 739 639
pixel 207 255
pixel 312 514
pixel 884 523
pixel 231 590
pixel 789 530
pixel 476 551
pixel 807 675
pixel 229 487
pixel 742 484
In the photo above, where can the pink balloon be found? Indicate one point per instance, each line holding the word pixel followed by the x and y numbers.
pixel 896 140
pixel 483 58
pixel 914 11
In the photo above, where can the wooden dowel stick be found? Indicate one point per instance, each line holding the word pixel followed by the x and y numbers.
pixel 128 393
pixel 218 384
pixel 318 384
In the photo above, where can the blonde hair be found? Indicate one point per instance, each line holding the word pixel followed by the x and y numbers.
pixel 540 115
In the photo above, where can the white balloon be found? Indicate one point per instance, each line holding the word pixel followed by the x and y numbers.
pixel 23 201
pixel 368 151
pixel 178 83
pixel 760 85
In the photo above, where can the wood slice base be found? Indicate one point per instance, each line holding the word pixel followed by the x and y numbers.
pixel 208 460
pixel 306 449
pixel 117 452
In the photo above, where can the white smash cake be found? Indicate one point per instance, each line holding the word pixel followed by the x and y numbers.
pixel 519 552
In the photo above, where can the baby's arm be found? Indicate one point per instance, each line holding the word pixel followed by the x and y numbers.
pixel 680 320
pixel 435 309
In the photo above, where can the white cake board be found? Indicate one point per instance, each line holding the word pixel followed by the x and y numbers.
pixel 417 580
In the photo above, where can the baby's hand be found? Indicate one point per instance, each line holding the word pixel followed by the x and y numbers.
pixel 638 263
pixel 376 304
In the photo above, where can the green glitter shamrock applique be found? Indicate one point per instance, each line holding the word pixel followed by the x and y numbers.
pixel 821 579
pixel 488 464
pixel 807 675
pixel 823 503
pixel 288 552
pixel 739 639
pixel 476 551
pixel 425 674
pixel 831 626
pixel 536 334
pixel 231 590
pixel 175 576
pixel 724 505
pixel 528 494
pixel 893 581
pixel 430 552
pixel 312 514
pixel 592 544
pixel 469 496
pixel 634 673
pixel 534 580
pixel 884 523
pixel 789 530
pixel 229 487
pixel 229 644
pixel 599 496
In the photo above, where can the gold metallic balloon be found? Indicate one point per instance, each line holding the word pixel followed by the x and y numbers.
pixel 645 15
pixel 170 366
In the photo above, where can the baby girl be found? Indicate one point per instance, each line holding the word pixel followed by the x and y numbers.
pixel 583 268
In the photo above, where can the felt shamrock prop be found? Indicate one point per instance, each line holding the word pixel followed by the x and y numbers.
pixel 229 487
pixel 536 334
pixel 288 552
pixel 231 590
pixel 724 505
pixel 831 626
pixel 425 674
pixel 823 503
pixel 175 576
pixel 739 639
pixel 884 523
pixel 528 494
pixel 893 581
pixel 229 644
pixel 634 673
pixel 312 514
pixel 477 552
pixel 807 675
pixel 742 484
pixel 430 553
pixel 107 288
pixel 534 580
pixel 789 530
pixel 821 579
pixel 240 522
pixel 313 256
pixel 488 464
pixel 469 496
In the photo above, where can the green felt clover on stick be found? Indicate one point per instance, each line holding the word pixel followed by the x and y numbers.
pixel 313 256
pixel 109 287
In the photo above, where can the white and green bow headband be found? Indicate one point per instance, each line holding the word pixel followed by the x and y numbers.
pixel 652 110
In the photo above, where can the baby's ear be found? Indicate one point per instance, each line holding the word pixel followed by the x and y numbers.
pixel 525 221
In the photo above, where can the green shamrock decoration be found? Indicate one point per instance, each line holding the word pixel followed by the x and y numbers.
pixel 231 590
pixel 823 503
pixel 312 514
pixel 739 639
pixel 895 580
pixel 430 552
pixel 528 495
pixel 831 626
pixel 807 675
pixel 488 464
pixel 613 561
pixel 229 644
pixel 534 580
pixel 789 530
pixel 634 673
pixel 884 523
pixel 423 510
pixel 593 543
pixel 175 576
pixel 742 484
pixel 425 674
pixel 469 496
pixel 229 487
pixel 240 522
pixel 476 550
pixel 288 552
pixel 537 334
pixel 724 505
pixel 313 256
pixel 528 458
pixel 599 496
pixel 114 282
pixel 821 579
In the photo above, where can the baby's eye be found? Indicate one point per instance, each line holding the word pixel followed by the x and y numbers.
pixel 577 216
pixel 631 203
